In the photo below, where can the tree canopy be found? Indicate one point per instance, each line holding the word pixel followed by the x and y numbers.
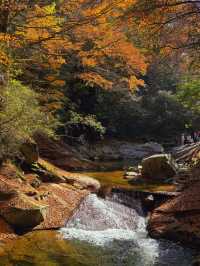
pixel 116 67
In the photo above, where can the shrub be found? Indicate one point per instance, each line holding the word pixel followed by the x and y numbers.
pixel 20 118
pixel 84 125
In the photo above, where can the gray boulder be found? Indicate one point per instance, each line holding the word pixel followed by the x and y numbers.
pixel 158 167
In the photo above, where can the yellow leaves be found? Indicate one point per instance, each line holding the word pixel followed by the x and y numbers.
pixel 102 40
pixel 125 4
pixel 134 82
pixel 4 58
pixel 50 9
pixel 50 78
pixel 58 83
pixel 90 31
pixel 87 61
pixel 95 79
pixel 58 45
pixel 56 62
pixel 42 22
pixel 5 37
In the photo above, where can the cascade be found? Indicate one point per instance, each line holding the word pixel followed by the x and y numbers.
pixel 118 227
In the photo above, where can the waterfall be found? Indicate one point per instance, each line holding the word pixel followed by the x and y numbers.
pixel 108 223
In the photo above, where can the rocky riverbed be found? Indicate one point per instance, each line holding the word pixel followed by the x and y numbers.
pixel 40 195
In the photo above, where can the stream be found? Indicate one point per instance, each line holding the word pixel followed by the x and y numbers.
pixel 102 232
pixel 121 230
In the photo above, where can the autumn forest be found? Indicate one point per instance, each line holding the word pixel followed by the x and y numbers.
pixel 91 69
pixel 99 132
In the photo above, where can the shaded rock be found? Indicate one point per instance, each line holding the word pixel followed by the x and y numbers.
pixel 112 150
pixel 158 167
pixel 184 178
pixel 148 202
pixel 22 212
pixel 30 152
pixel 178 219
pixel 61 154
pixel 6 232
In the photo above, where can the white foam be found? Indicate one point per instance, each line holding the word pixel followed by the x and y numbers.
pixel 101 222
pixel 100 238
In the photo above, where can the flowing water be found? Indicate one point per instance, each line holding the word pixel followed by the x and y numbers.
pixel 102 232
pixel 121 231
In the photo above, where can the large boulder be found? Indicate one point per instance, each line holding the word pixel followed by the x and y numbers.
pixel 29 204
pixel 178 219
pixel 158 167
pixel 22 212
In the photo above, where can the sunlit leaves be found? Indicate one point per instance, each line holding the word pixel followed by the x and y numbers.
pixel 91 32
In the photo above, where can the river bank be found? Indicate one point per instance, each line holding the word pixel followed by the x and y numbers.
pixel 45 196
pixel 103 232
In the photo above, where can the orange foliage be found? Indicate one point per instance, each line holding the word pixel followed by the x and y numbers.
pixel 91 31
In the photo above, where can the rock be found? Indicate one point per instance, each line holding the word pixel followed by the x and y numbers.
pixel 96 156
pixel 10 170
pixel 47 172
pixel 47 206
pixel 184 178
pixel 130 175
pixel 178 219
pixel 148 203
pixel 30 152
pixel 86 182
pixel 187 153
pixel 105 191
pixel 33 180
pixel 113 150
pixel 158 167
pixel 56 175
pixel 6 232
pixel 22 212
pixel 62 155
pixel 62 201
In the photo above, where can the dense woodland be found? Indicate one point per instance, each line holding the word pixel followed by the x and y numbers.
pixel 85 70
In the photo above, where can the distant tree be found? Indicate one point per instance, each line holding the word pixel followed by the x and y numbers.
pixel 189 94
